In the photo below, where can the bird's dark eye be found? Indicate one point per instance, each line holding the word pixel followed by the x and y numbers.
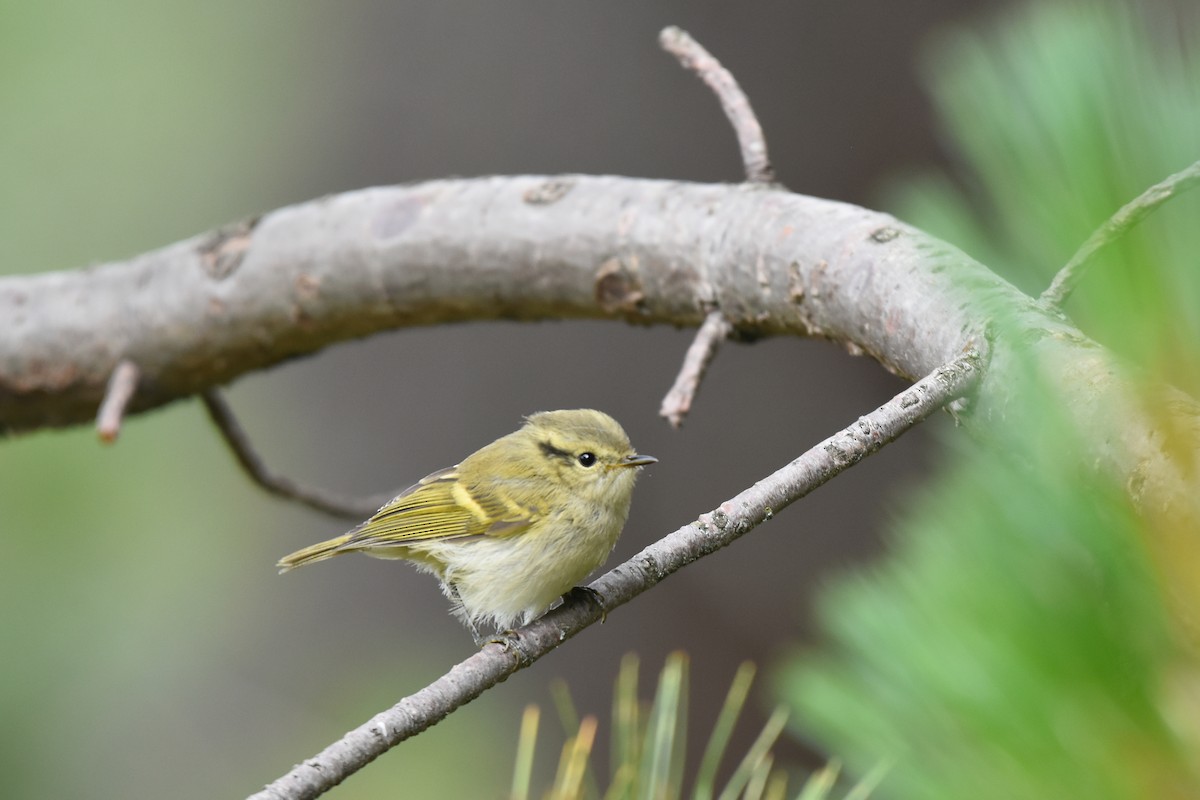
pixel 587 459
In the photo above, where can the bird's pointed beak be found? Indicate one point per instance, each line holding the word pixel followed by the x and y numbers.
pixel 637 461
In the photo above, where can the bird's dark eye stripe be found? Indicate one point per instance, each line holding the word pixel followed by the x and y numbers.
pixel 554 452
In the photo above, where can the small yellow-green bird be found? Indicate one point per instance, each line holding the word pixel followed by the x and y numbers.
pixel 514 526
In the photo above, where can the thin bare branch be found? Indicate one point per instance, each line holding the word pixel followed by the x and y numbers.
pixel 121 387
pixel 235 436
pixel 735 517
pixel 1117 226
pixel 700 354
pixel 734 102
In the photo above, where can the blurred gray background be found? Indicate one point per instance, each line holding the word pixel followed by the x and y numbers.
pixel 149 645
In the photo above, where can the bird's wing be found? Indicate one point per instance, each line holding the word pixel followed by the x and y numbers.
pixel 441 506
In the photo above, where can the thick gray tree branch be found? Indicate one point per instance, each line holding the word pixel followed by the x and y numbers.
pixel 199 313
pixel 714 530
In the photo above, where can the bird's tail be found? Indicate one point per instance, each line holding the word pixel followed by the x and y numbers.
pixel 317 552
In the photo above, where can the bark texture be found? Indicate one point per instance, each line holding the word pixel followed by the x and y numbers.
pixel 201 312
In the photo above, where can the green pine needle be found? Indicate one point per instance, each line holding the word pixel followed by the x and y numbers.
pixel 648 744
pixel 739 690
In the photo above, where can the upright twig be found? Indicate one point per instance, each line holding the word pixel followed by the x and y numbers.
pixel 235 436
pixel 757 166
pixel 734 102
pixel 1117 226
pixel 122 385
pixel 735 517
pixel 700 354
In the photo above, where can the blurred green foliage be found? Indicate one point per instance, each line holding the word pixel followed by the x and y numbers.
pixel 1060 114
pixel 1024 639
pixel 1016 644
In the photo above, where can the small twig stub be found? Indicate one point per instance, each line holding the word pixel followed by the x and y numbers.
pixel 678 401
pixel 122 385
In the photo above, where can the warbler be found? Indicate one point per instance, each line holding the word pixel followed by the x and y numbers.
pixel 515 525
